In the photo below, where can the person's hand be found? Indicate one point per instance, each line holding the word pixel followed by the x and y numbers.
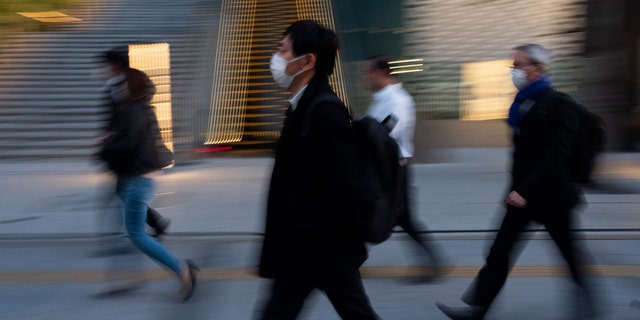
pixel 515 199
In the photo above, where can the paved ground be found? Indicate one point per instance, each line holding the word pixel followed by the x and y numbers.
pixel 49 226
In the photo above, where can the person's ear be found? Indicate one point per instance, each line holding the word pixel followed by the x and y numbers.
pixel 309 61
pixel 540 68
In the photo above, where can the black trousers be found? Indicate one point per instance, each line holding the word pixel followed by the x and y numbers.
pixel 413 227
pixel 502 254
pixel 344 289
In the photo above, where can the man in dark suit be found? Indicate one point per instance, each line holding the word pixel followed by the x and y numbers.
pixel 313 236
pixel 542 187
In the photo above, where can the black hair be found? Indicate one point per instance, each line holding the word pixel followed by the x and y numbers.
pixel 309 36
pixel 381 62
pixel 118 56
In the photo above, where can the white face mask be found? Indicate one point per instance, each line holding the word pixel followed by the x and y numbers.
pixel 278 66
pixel 519 78
pixel 102 73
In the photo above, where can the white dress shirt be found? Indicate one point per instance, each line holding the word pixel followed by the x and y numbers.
pixel 296 98
pixel 393 99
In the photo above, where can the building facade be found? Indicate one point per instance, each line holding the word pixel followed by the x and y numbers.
pixel 456 56
pixel 217 93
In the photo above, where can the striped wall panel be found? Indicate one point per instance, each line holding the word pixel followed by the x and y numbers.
pixel 49 100
pixel 155 60
pixel 228 94
pixel 247 106
pixel 322 11
pixel 448 34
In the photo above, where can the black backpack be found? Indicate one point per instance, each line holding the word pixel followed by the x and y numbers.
pixel 380 174
pixel 589 141
pixel 380 185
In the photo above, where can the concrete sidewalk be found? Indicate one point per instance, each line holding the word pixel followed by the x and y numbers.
pixel 50 280
pixel 50 214
pixel 227 194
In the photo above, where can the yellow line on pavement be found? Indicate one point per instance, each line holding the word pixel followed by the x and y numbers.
pixel 378 272
pixel 518 271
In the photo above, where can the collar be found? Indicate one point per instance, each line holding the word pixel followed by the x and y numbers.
pixel 296 98
pixel 524 97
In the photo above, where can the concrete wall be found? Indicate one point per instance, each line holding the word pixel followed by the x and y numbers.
pixel 432 136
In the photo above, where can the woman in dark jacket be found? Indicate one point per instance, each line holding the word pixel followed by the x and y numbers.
pixel 130 152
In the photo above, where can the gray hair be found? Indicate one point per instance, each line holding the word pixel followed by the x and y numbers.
pixel 536 53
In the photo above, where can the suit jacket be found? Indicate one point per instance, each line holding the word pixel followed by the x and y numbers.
pixel 312 226
pixel 541 149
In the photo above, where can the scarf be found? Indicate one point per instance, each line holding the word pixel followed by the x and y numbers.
pixel 515 114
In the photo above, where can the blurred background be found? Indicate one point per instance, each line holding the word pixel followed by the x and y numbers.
pixel 209 61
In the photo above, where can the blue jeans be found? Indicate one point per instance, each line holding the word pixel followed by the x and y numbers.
pixel 135 192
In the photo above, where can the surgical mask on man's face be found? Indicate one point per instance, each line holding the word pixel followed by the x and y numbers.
pixel 278 66
pixel 519 78
pixel 119 92
pixel 102 73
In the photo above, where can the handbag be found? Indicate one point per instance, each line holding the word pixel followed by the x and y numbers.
pixel 165 156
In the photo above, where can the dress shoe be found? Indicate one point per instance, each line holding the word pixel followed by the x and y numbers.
pixel 461 313
pixel 189 284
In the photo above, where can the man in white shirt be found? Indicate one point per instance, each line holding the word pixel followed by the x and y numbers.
pixel 392 103
pixel 389 98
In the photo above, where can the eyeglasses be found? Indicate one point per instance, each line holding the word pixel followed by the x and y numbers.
pixel 521 65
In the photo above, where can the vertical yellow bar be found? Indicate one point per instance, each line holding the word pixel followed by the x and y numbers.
pixel 154 60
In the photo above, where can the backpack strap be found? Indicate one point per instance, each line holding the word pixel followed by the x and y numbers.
pixel 551 96
pixel 545 98
pixel 318 100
